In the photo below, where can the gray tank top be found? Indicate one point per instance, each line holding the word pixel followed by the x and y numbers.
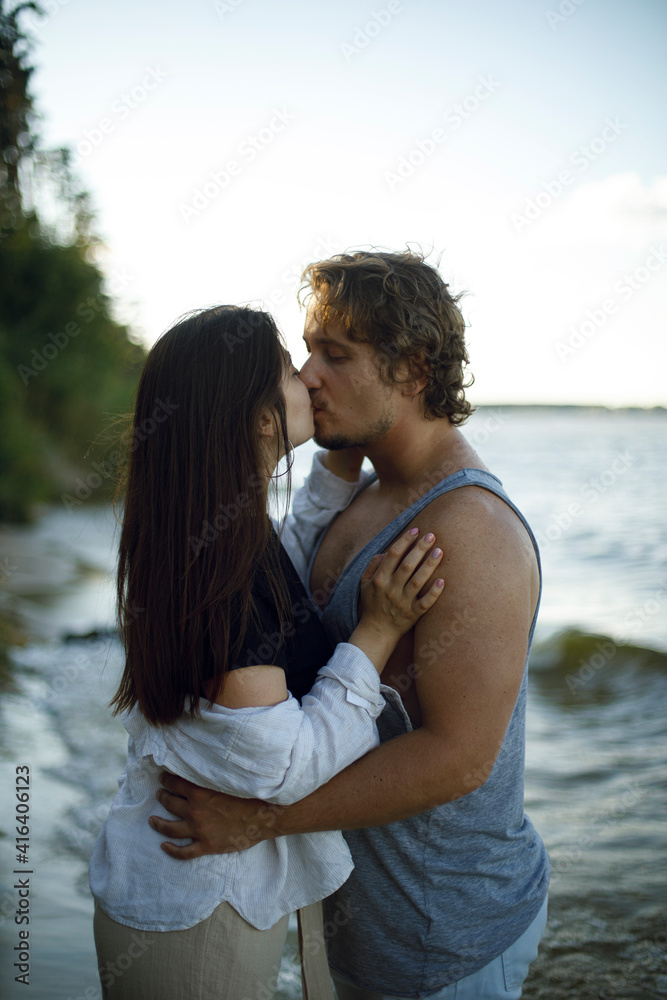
pixel 434 898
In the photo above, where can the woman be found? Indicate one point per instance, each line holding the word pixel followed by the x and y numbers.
pixel 217 627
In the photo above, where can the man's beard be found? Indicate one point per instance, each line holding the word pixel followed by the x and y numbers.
pixel 361 438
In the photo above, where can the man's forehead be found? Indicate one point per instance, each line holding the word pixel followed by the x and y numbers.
pixel 335 332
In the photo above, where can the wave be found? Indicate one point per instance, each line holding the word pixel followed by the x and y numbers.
pixel 575 667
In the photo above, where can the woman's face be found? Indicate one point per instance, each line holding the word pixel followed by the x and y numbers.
pixel 300 425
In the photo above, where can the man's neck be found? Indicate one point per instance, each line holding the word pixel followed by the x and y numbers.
pixel 415 449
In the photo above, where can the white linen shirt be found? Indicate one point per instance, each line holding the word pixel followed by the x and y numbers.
pixel 279 753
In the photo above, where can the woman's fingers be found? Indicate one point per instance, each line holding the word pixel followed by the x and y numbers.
pixel 402 588
pixel 425 570
pixel 372 566
pixel 431 595
pixel 404 554
pixel 412 573
pixel 404 570
pixel 406 546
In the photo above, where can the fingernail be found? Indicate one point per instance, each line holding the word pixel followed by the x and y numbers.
pixel 151 822
pixel 440 583
pixel 429 537
pixel 436 553
pixel 414 531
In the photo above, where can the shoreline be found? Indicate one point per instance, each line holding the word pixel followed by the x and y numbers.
pixel 593 782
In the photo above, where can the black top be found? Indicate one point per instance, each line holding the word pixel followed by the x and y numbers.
pixel 302 650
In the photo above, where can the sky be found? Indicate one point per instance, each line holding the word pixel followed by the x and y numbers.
pixel 522 145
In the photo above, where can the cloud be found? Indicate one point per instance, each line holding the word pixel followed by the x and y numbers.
pixel 618 212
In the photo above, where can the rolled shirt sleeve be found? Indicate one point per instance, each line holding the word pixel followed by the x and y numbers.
pixel 279 753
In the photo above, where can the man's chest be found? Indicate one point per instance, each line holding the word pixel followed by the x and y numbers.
pixel 347 535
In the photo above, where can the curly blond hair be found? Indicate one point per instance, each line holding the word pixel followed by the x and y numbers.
pixel 399 304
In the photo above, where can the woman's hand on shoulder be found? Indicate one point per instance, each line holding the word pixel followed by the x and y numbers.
pixel 397 588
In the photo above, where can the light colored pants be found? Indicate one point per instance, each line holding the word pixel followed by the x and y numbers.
pixel 501 979
pixel 222 958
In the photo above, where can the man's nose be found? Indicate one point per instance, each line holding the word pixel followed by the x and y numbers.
pixel 308 374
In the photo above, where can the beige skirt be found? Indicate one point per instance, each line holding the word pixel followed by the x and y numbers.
pixel 222 958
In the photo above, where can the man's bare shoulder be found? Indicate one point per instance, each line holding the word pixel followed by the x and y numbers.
pixel 472 513
pixel 470 648
pixel 489 562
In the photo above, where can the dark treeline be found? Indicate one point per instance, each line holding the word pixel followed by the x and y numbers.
pixel 67 368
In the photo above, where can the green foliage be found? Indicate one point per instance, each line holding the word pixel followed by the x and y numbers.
pixel 67 368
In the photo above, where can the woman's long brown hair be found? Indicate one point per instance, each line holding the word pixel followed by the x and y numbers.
pixel 195 526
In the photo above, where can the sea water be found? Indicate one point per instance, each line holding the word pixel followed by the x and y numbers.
pixel 593 485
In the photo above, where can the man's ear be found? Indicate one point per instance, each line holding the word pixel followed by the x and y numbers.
pixel 267 424
pixel 414 374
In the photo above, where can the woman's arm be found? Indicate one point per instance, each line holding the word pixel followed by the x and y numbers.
pixel 278 752
pixel 256 743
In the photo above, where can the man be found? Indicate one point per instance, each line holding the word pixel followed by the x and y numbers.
pixel 448 895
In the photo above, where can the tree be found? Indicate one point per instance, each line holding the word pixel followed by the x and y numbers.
pixel 16 137
pixel 66 365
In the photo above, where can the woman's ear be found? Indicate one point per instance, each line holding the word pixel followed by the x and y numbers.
pixel 267 424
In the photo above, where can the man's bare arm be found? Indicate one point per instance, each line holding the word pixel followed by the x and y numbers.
pixel 469 654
